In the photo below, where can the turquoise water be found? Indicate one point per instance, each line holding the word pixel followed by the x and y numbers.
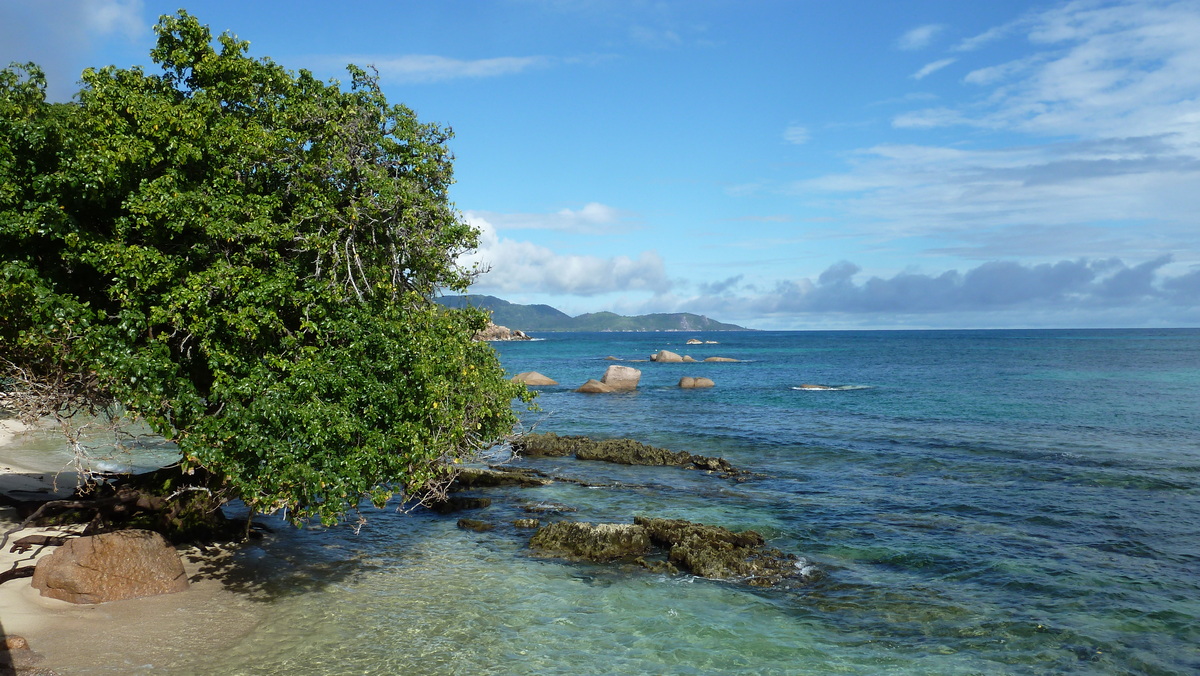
pixel 985 502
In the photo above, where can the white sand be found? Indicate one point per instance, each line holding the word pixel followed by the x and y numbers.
pixel 147 635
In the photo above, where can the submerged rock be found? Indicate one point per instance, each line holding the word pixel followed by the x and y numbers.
pixel 689 383
pixel 591 541
pixel 475 525
pixel 548 508
pixel 720 359
pixel 527 523
pixel 458 504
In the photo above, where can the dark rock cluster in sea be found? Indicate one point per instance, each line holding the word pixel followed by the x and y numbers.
pixel 620 451
pixel 658 545
pixel 675 545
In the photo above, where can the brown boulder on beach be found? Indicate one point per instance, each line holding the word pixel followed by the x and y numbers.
pixel 113 566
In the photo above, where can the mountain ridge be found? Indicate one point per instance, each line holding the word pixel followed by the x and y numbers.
pixel 546 318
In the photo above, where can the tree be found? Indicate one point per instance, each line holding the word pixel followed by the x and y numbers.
pixel 244 257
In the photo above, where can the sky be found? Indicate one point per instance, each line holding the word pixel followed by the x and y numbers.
pixel 796 164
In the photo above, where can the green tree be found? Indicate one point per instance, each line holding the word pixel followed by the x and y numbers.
pixel 245 257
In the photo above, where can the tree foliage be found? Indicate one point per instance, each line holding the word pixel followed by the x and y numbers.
pixel 244 257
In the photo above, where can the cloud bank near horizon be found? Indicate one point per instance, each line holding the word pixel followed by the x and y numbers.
pixel 1066 286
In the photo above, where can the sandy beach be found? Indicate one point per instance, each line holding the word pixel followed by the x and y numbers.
pixel 144 635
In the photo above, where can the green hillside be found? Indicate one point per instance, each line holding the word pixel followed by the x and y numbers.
pixel 545 318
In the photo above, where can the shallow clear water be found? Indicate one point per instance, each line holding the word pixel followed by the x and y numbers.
pixel 989 502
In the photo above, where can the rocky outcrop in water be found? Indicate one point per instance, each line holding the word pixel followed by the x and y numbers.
pixel 547 445
pixel 689 383
pixel 496 332
pixel 593 386
pixel 621 378
pixel 619 451
pixel 533 379
pixel 706 551
pixel 718 553
pixel 471 477
pixel 599 542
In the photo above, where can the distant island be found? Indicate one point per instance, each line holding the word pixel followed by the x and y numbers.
pixel 545 318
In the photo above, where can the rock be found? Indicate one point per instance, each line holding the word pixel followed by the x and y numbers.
pixel 666 357
pixel 719 359
pixel 471 477
pixel 621 378
pixel 18 659
pixel 533 378
pixel 687 359
pixel 458 504
pixel 717 553
pixel 109 567
pixel 475 525
pixel 695 341
pixel 594 386
pixel 612 358
pixel 548 445
pixel 711 342
pixel 495 332
pixel 695 383
pixel 592 542
pixel 630 452
pixel 549 508
pixel 527 523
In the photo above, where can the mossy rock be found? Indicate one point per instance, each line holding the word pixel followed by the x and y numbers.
pixel 591 541
pixel 475 525
pixel 718 553
pixel 471 477
pixel 458 504
pixel 548 444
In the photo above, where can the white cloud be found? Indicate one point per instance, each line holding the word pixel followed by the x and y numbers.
pixel 1126 69
pixel 524 267
pixel 930 68
pixel 796 134
pixel 919 37
pixel 592 218
pixel 425 68
pixel 994 293
pixel 1095 131
pixel 61 36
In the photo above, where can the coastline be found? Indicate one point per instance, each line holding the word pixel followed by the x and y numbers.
pixel 143 635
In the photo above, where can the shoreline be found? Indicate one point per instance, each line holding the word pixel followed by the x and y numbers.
pixel 142 635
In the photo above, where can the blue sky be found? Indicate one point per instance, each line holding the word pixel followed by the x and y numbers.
pixel 792 165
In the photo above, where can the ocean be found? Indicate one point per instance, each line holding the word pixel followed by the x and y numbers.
pixel 979 502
